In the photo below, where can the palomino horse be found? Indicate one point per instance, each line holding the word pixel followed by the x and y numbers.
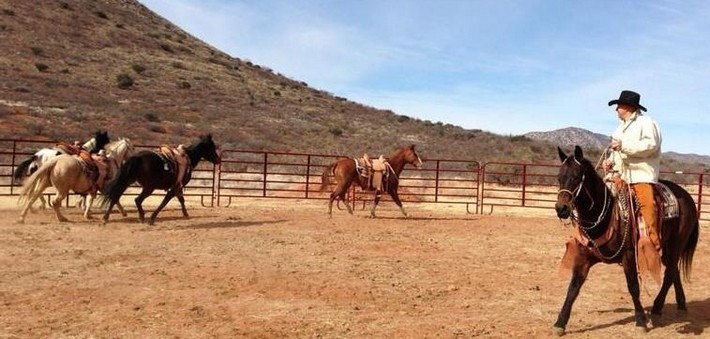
pixel 31 164
pixel 148 168
pixel 66 173
pixel 589 203
pixel 345 172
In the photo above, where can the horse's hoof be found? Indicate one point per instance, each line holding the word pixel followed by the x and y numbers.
pixel 681 313
pixel 558 331
pixel 641 329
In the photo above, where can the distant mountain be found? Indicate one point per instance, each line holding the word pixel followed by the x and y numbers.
pixel 567 137
pixel 570 136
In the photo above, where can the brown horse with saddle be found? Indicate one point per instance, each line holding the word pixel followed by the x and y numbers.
pixel 376 175
pixel 606 231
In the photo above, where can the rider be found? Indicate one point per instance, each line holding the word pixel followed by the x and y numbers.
pixel 636 156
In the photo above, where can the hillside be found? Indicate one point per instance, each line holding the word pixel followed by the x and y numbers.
pixel 70 67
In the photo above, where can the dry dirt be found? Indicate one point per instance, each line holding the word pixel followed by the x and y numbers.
pixel 281 268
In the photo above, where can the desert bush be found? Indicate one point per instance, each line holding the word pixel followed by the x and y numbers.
pixel 124 81
pixel 157 128
pixel 101 14
pixel 184 85
pixel 41 67
pixel 336 130
pixel 64 5
pixel 37 50
pixel 138 68
pixel 8 12
pixel 152 117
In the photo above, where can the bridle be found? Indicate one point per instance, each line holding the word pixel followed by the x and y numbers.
pixel 575 194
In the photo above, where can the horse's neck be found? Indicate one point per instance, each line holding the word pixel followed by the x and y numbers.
pixel 194 155
pixel 595 204
pixel 89 145
pixel 397 163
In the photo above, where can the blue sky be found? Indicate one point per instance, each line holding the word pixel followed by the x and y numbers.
pixel 504 66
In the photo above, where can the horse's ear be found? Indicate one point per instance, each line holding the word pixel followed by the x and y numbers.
pixel 562 154
pixel 412 146
pixel 578 154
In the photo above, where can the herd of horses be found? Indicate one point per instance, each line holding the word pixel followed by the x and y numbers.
pixel 583 196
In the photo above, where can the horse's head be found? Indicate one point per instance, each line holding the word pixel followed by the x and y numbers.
pixel 411 157
pixel 207 149
pixel 571 177
pixel 98 142
pixel 120 150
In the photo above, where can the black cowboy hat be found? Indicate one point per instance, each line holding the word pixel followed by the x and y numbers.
pixel 629 98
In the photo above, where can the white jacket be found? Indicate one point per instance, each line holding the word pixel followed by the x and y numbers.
pixel 639 160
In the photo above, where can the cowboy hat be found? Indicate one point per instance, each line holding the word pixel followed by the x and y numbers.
pixel 629 98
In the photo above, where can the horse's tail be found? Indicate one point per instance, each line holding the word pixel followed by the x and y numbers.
pixel 325 177
pixel 21 169
pixel 125 177
pixel 686 256
pixel 37 182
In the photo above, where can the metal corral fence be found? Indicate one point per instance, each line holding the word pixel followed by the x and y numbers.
pixel 480 188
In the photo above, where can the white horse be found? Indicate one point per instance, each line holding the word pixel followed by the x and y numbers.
pixel 116 154
pixel 31 164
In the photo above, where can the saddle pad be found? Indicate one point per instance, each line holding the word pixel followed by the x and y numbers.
pixel 670 202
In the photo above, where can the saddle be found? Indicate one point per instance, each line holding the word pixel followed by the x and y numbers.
pixel 68 148
pixel 168 157
pixel 373 171
pixel 94 167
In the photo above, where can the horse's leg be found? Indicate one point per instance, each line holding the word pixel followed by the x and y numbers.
pixel 395 196
pixel 632 282
pixel 28 206
pixel 139 203
pixel 57 204
pixel 579 276
pixel 120 208
pixel 668 279
pixel 169 195
pixel 181 199
pixel 340 191
pixel 87 206
pixel 375 201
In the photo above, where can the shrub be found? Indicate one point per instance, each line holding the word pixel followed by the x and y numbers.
pixel 152 117
pixel 41 67
pixel 124 81
pixel 138 68
pixel 8 12
pixel 336 130
pixel 101 14
pixel 184 85
pixel 37 50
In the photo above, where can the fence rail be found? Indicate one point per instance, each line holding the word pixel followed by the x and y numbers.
pixel 481 188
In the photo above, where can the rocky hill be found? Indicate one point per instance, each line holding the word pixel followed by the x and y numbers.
pixel 68 68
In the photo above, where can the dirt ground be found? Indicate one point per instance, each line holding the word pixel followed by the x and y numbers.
pixel 281 268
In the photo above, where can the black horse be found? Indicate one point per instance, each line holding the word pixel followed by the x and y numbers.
pixel 584 197
pixel 148 169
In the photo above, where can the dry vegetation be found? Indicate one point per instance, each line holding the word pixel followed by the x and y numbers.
pixel 114 64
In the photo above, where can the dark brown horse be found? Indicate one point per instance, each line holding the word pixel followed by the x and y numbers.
pixel 153 171
pixel 345 172
pixel 588 201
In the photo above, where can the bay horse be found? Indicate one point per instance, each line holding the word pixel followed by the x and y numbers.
pixel 585 198
pixel 148 168
pixel 345 172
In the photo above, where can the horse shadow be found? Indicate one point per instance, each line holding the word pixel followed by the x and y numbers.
pixel 226 224
pixel 425 218
pixel 693 322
